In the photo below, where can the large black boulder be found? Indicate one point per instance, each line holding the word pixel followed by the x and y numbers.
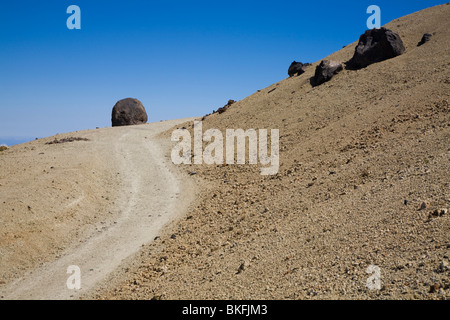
pixel 297 68
pixel 325 71
pixel 374 46
pixel 128 112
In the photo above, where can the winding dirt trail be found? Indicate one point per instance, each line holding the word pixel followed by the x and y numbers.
pixel 152 194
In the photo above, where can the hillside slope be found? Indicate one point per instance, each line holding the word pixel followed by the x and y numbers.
pixel 359 155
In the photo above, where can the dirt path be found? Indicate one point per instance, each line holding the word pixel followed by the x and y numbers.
pixel 151 195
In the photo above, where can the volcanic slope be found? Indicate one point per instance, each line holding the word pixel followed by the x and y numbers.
pixel 359 157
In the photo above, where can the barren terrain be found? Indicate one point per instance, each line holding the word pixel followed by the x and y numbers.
pixel 363 180
pixel 359 156
pixel 90 203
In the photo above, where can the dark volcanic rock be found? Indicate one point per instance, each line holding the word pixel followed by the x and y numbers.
pixel 325 71
pixel 225 107
pixel 426 37
pixel 376 45
pixel 297 68
pixel 128 112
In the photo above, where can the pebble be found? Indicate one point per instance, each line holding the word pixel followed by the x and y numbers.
pixel 242 267
pixel 424 205
pixel 434 288
pixel 439 212
pixel 444 266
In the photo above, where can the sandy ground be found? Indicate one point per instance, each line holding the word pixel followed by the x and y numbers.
pixel 358 157
pixel 145 193
pixel 364 164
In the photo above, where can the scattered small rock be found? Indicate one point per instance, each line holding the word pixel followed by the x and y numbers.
pixel 225 107
pixel 426 37
pixel 325 71
pixel 242 267
pixel 64 140
pixel 297 68
pixel 444 266
pixel 424 205
pixel 439 212
pixel 434 288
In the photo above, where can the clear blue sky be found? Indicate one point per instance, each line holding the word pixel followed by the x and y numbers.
pixel 180 58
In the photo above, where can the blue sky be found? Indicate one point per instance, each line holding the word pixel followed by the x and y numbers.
pixel 180 58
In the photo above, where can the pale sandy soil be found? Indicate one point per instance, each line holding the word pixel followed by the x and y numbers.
pixel 87 203
pixel 359 155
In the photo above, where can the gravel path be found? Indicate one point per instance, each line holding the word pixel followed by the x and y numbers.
pixel 151 196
